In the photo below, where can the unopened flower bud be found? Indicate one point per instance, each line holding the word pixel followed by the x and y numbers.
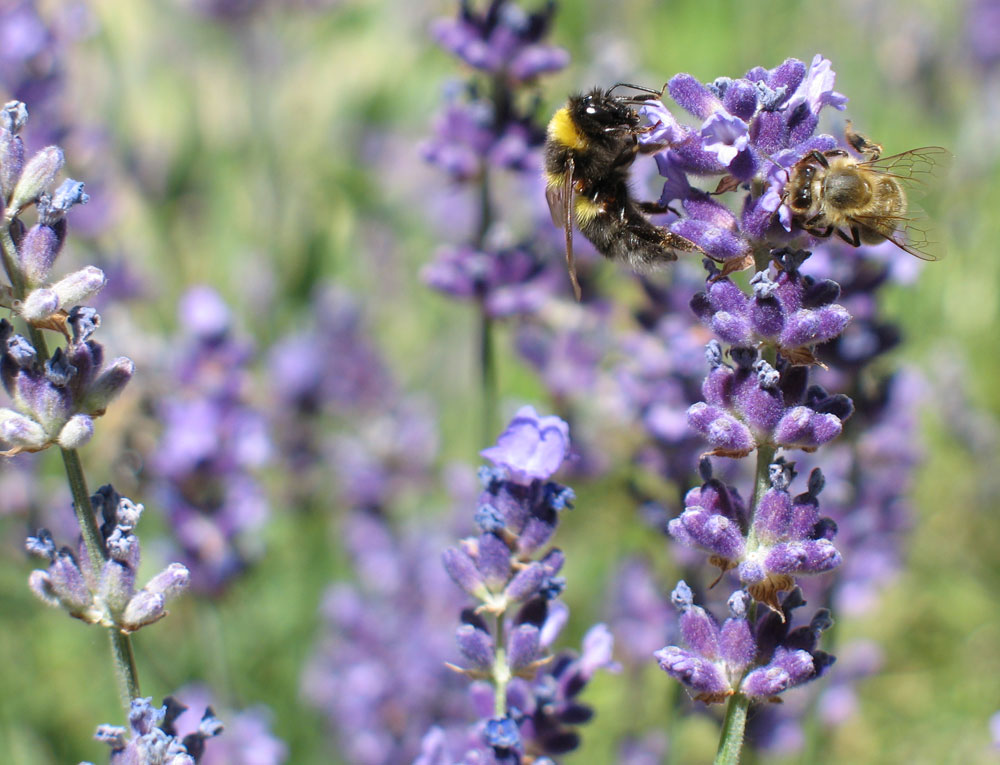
pixel 107 387
pixel 40 304
pixel 12 119
pixel 145 608
pixel 76 432
pixel 38 175
pixel 38 252
pixel 79 286
pixel 170 582
pixel 19 431
pixel 117 585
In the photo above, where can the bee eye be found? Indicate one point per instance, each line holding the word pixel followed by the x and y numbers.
pixel 591 110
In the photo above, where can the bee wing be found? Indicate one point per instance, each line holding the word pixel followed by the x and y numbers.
pixel 560 200
pixel 917 169
pixel 920 172
pixel 914 232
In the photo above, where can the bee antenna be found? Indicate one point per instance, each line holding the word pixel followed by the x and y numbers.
pixel 635 87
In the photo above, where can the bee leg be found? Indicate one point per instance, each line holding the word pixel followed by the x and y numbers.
pixel 655 208
pixel 808 224
pixel 854 239
pixel 819 158
pixel 822 234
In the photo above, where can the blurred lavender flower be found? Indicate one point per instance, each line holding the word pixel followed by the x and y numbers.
pixel 154 738
pixel 759 660
pixel 212 442
pixel 248 738
pixel 641 618
pixel 503 40
pixel 107 597
pixel 377 699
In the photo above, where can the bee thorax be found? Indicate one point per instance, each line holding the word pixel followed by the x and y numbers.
pixel 846 189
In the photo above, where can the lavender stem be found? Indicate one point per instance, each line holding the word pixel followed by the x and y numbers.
pixel 735 721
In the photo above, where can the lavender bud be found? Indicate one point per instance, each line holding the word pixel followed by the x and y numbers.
pixel 107 387
pixel 524 646
pixel 83 321
pixel 38 175
pixel 40 305
pixel 170 582
pixel 462 569
pixel 79 286
pixel 117 585
pixel 68 584
pixel 527 582
pixel 38 252
pixel 77 432
pixel 12 119
pixel 41 584
pixel 475 645
pixel 144 608
pixel 21 432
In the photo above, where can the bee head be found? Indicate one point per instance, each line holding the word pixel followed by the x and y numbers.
pixel 599 112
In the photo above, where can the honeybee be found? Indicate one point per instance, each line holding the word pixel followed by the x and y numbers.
pixel 591 143
pixel 864 201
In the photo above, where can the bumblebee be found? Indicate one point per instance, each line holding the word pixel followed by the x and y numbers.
pixel 590 145
pixel 865 201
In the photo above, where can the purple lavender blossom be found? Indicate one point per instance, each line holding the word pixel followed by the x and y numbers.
pixel 758 660
pixel 531 447
pixel 503 40
pixel 248 738
pixel 787 537
pixel 792 312
pixel 212 443
pixel 107 597
pixel 506 567
pixel 754 404
pixel 55 403
pixel 753 130
pixel 508 282
pixel 154 738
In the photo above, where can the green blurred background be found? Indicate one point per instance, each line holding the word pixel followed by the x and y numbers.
pixel 264 154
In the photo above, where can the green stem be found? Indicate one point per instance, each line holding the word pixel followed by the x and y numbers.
pixel 488 377
pixel 501 672
pixel 122 655
pixel 731 740
pixel 125 671
pixel 734 724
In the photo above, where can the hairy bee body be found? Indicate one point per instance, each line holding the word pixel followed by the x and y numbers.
pixel 863 201
pixel 590 146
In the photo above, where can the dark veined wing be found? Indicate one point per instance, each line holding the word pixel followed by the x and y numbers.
pixel 560 200
pixel 917 169
pixel 920 172
pixel 914 232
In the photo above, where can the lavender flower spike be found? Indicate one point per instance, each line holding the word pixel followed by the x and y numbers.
pixel 757 660
pixel 787 538
pixel 107 597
